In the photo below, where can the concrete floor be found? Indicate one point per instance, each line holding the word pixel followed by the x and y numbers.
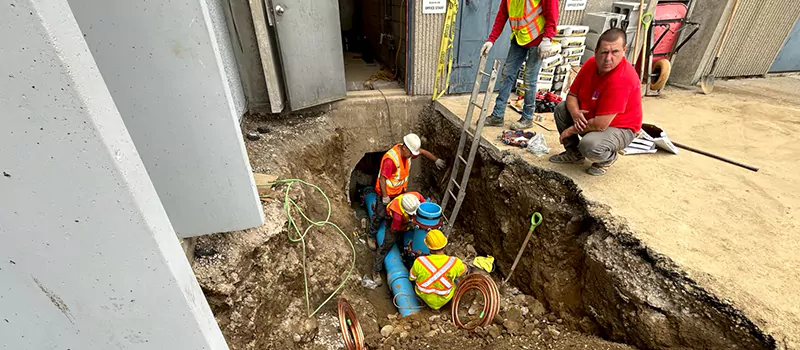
pixel 357 72
pixel 735 232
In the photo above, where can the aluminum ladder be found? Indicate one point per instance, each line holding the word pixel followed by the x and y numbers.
pixel 453 184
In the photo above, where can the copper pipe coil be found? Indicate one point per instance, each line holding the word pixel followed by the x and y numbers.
pixel 352 334
pixel 491 296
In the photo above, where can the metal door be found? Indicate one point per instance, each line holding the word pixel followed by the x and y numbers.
pixel 789 57
pixel 473 25
pixel 310 45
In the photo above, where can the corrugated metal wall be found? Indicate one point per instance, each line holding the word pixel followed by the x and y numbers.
pixel 427 36
pixel 570 17
pixel 757 33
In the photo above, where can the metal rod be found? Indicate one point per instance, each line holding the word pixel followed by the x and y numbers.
pixel 712 155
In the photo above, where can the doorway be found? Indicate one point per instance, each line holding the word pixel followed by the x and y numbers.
pixel 374 43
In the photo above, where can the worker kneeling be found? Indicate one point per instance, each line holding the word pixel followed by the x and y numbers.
pixel 400 214
pixel 435 274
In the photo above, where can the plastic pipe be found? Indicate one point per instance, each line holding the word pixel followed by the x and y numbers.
pixel 429 217
pixel 396 272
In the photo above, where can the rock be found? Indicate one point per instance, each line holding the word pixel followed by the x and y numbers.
pixel 553 331
pixel 514 314
pixel 262 129
pixel 431 334
pixel 391 316
pixel 433 318
pixel 473 310
pixel 559 321
pixel 471 250
pixel 310 325
pixel 497 319
pixel 525 310
pixel 415 324
pixel 404 334
pixel 297 338
pixel 387 330
pixel 536 308
pixel 512 326
pixel 253 136
pixel 551 318
pixel 407 327
pixel 495 331
pixel 536 332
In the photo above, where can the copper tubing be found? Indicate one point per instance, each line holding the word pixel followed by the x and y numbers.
pixel 351 329
pixel 491 296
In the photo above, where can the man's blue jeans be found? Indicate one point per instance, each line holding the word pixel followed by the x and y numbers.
pixel 516 55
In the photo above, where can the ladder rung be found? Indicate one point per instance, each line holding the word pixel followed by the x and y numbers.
pixel 469 133
pixel 485 74
pixel 445 218
pixel 477 105
pixel 453 195
pixel 462 159
pixel 456 183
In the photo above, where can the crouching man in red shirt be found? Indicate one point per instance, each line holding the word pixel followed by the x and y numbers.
pixel 604 107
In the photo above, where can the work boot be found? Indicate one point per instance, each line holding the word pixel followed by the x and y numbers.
pixel 493 120
pixel 376 277
pixel 567 157
pixel 522 124
pixel 599 169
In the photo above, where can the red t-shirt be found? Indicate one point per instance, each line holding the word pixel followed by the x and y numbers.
pixel 616 92
pixel 549 11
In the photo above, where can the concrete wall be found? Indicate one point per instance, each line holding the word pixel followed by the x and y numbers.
pixel 688 64
pixel 89 258
pixel 169 67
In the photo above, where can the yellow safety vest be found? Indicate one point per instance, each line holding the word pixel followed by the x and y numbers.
pixel 526 19
pixel 434 275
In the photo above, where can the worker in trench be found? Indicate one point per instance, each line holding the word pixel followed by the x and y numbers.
pixel 603 110
pixel 393 178
pixel 400 211
pixel 435 274
pixel 533 25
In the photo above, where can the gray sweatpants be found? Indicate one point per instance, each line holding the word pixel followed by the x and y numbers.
pixel 597 146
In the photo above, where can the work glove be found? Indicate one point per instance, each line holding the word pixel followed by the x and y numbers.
pixel 546 48
pixel 440 164
pixel 386 200
pixel 486 47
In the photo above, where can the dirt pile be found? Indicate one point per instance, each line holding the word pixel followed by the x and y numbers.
pixel 523 323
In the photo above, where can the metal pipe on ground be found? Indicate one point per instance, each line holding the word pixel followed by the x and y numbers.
pixel 712 155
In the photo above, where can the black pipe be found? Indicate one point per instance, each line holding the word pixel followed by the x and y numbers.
pixel 695 150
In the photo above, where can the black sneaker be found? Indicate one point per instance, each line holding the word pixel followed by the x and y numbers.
pixel 493 120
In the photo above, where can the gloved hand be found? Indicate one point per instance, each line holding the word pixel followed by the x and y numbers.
pixel 386 200
pixel 440 164
pixel 486 47
pixel 546 48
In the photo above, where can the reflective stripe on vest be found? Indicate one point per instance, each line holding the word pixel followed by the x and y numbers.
pixel 437 275
pixel 526 20
pixel 395 183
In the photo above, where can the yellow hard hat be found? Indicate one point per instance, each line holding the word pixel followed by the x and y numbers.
pixel 435 240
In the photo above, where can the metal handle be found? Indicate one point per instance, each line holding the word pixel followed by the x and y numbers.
pixel 279 10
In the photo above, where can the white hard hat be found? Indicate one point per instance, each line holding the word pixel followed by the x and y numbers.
pixel 412 142
pixel 410 204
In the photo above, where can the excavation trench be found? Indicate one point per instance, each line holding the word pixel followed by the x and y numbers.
pixel 584 275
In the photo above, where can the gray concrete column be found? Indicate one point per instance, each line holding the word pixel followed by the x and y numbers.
pixel 170 68
pixel 88 258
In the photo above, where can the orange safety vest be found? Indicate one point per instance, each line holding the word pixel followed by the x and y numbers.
pixel 396 205
pixel 434 275
pixel 526 19
pixel 396 183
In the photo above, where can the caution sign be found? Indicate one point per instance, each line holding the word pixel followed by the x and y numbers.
pixel 434 6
